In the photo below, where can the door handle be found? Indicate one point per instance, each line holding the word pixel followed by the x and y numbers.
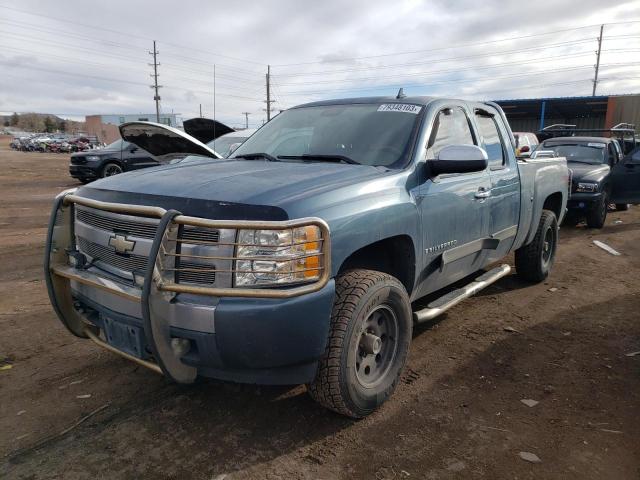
pixel 482 193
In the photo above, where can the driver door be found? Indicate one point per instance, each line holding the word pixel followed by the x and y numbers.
pixel 454 208
pixel 625 179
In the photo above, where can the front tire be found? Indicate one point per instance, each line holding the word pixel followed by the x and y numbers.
pixel 534 261
pixel 371 325
pixel 111 169
pixel 597 215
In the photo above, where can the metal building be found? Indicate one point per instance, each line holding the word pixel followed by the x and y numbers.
pixel 532 115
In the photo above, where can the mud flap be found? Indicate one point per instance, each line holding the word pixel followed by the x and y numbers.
pixel 156 325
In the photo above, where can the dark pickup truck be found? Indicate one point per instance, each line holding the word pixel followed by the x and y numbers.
pixel 297 259
pixel 605 171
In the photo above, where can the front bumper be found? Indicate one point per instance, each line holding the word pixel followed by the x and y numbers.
pixel 272 336
pixel 83 171
pixel 583 200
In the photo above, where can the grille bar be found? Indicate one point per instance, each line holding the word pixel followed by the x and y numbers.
pixel 103 222
pixel 130 263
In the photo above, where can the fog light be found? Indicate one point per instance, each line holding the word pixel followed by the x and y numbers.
pixel 180 346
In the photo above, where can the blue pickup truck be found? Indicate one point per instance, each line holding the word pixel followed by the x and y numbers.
pixel 298 259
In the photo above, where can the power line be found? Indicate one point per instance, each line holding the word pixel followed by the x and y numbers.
pixel 438 60
pixel 437 72
pixel 466 80
pixel 488 42
pixel 95 27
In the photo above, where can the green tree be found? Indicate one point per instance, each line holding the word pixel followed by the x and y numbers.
pixel 15 118
pixel 49 124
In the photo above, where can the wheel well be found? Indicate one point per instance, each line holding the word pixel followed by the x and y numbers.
pixel 554 203
pixel 394 255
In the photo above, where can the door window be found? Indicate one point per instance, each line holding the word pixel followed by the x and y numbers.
pixel 491 139
pixel 451 128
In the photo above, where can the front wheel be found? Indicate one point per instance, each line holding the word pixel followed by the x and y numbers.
pixel 597 215
pixel 111 169
pixel 371 325
pixel 534 261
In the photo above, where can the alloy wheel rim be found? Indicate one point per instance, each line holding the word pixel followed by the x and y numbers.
pixel 377 346
pixel 112 170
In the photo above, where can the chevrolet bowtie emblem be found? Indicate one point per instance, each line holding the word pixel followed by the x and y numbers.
pixel 121 244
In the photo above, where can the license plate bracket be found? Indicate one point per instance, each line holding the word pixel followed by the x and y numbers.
pixel 124 337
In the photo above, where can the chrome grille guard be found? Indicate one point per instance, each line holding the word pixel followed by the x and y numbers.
pixel 159 285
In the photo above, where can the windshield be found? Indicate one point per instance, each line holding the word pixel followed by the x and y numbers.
pixel 222 145
pixel 117 145
pixel 368 134
pixel 592 153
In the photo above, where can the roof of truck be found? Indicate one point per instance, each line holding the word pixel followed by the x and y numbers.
pixel 422 100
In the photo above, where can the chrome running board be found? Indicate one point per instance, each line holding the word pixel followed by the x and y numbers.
pixel 444 303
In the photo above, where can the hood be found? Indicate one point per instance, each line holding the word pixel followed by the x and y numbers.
pixel 205 129
pixel 97 151
pixel 164 142
pixel 230 182
pixel 592 173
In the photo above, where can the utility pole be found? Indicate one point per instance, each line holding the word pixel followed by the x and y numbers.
pixel 214 106
pixel 246 119
pixel 200 110
pixel 155 85
pixel 269 101
pixel 595 80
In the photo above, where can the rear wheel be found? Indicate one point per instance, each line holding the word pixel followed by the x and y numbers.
pixel 368 343
pixel 534 261
pixel 622 207
pixel 111 169
pixel 597 215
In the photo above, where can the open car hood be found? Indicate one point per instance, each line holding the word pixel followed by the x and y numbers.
pixel 205 129
pixel 164 142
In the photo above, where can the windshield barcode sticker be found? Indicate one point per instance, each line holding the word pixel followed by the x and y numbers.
pixel 596 145
pixel 400 107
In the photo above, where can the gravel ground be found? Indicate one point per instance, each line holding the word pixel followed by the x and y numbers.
pixel 458 413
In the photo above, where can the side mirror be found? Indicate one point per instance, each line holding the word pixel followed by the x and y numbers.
pixel 459 159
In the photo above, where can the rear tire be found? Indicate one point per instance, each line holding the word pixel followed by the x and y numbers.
pixel 368 343
pixel 597 215
pixel 534 261
pixel 622 207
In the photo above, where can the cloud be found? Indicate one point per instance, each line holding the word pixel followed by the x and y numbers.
pixel 88 57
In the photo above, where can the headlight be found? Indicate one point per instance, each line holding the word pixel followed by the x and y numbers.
pixel 276 257
pixel 92 158
pixel 587 187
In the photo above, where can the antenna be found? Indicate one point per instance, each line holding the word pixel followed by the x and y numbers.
pixel 400 94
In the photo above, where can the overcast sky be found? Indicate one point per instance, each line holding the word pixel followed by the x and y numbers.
pixel 80 57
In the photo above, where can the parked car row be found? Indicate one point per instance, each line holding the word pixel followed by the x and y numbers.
pixel 54 143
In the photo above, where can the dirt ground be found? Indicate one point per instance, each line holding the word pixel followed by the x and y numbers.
pixel 457 414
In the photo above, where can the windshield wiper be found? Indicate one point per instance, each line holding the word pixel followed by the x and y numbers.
pixel 313 156
pixel 253 156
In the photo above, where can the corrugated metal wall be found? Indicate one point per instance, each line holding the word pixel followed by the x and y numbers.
pixel 624 109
